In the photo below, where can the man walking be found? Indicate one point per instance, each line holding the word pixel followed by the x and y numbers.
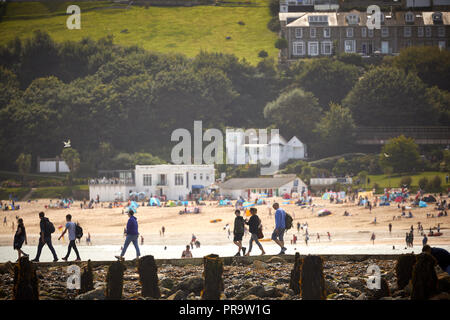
pixel 280 225
pixel 46 230
pixel 71 227
pixel 132 236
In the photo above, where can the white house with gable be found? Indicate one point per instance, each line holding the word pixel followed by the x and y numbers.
pixel 244 148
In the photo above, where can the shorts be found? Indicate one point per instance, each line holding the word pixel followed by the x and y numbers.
pixel 238 236
pixel 278 234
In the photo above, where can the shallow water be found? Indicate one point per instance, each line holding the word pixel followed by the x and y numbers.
pixel 107 252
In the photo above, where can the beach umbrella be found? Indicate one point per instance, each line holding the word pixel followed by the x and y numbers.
pixel 248 204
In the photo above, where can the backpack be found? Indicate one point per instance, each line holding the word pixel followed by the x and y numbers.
pixel 288 221
pixel 78 231
pixel 49 227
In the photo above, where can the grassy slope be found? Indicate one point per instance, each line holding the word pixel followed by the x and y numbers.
pixel 383 181
pixel 184 30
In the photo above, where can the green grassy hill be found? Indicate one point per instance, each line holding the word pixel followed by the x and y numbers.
pixel 185 30
pixel 385 181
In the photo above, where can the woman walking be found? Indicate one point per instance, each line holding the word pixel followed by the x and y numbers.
pixel 254 224
pixel 19 238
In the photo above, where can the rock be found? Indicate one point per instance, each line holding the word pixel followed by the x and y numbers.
pixel 257 291
pixel 164 291
pixel 357 283
pixel 408 288
pixel 179 295
pixel 96 294
pixel 376 294
pixel 272 292
pixel 444 282
pixel 386 298
pixel 276 259
pixel 259 265
pixel 6 267
pixel 191 296
pixel 362 296
pixel 166 283
pixel 99 285
pixel 331 287
pixel 251 297
pixel 247 284
pixel 441 296
pixel 190 285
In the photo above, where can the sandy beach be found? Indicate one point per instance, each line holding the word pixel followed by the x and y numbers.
pixel 349 234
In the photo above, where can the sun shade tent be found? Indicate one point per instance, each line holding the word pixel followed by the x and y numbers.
pixel 422 204
pixel 154 202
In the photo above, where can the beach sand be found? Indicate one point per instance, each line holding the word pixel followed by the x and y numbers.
pixel 348 234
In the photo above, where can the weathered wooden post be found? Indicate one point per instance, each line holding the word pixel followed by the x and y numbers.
pixel 213 282
pixel 87 278
pixel 26 286
pixel 312 281
pixel 294 283
pixel 404 268
pixel 114 281
pixel 148 276
pixel 424 278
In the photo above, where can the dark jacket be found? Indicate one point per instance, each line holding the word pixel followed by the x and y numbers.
pixel 238 225
pixel 132 226
pixel 253 224
pixel 44 228
pixel 442 256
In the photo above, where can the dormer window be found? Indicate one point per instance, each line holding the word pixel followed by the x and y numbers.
pixel 409 17
pixel 437 17
pixel 352 19
pixel 318 19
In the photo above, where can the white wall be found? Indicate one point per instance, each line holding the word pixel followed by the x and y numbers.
pixel 49 166
pixel 107 192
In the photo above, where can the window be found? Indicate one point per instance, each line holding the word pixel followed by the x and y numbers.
pixel 349 32
pixel 195 176
pixel 384 32
pixel 178 179
pixel 408 43
pixel 327 47
pixel 442 45
pixel 312 32
pixel 298 32
pixel 298 48
pixel 352 19
pixel 207 177
pixel 350 46
pixel 313 48
pixel 201 176
pixel 407 32
pixel 420 32
pixel 326 32
pixel 363 32
pixel 441 32
pixel 428 32
pixel 318 19
pixel 409 17
pixel 370 33
pixel 147 179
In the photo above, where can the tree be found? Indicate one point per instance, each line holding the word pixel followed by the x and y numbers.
pixel 263 54
pixel 281 43
pixel 23 163
pixel 389 97
pixel 431 64
pixel 363 177
pixel 336 130
pixel 295 113
pixel 400 153
pixel 72 159
pixel 329 80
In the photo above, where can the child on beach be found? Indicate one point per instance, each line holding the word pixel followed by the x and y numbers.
pixel 238 232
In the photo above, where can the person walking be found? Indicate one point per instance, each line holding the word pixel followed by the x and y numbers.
pixel 390 228
pixel 238 232
pixel 88 239
pixel 254 224
pixel 132 235
pixel 424 240
pixel 373 238
pixel 280 226
pixel 46 230
pixel 71 227
pixel 19 238
pixel 411 238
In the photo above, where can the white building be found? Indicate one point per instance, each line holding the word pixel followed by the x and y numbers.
pixel 315 182
pixel 248 149
pixel 52 165
pixel 175 182
pixel 254 187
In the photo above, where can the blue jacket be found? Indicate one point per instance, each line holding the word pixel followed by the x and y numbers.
pixel 132 226
pixel 280 219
